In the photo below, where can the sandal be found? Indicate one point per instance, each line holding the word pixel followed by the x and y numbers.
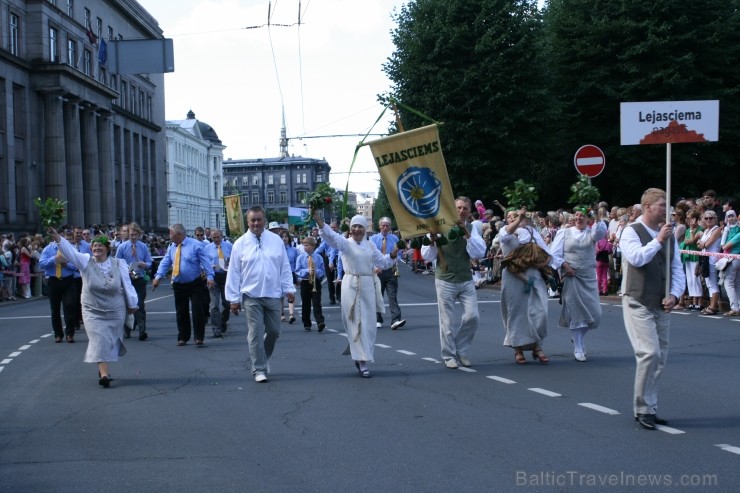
pixel 519 356
pixel 732 313
pixel 708 311
pixel 540 355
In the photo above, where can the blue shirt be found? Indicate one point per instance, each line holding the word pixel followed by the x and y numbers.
pixel 125 252
pixel 212 252
pixel 48 262
pixel 301 265
pixel 193 261
pixel 390 242
pixel 292 256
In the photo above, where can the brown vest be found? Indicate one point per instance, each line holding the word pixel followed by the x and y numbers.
pixel 647 284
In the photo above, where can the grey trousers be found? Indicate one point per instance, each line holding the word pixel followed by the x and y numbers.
pixel 263 326
pixel 389 284
pixel 647 330
pixel 455 341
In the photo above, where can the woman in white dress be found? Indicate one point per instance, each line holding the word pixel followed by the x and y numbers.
pixel 574 251
pixel 361 297
pixel 523 295
pixel 107 295
pixel 710 241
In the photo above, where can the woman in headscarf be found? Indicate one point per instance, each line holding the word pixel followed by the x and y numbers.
pixel 361 297
pixel 573 251
pixel 107 295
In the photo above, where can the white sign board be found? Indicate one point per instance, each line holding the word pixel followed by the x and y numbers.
pixel 669 122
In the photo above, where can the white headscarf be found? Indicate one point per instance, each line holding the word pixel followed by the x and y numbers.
pixel 359 221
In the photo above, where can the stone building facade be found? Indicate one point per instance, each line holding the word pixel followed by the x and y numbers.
pixel 71 130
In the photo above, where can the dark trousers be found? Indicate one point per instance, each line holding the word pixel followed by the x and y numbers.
pixel 78 288
pixel 334 293
pixel 308 297
pixel 63 294
pixel 140 316
pixel 220 307
pixel 187 295
pixel 389 283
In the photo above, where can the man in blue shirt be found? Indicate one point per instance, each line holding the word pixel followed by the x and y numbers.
pixel 62 291
pixel 136 254
pixel 385 241
pixel 219 253
pixel 188 260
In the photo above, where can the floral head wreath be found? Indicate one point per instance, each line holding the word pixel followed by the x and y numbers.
pixel 101 239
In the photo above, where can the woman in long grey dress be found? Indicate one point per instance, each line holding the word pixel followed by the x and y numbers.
pixel 524 294
pixel 361 297
pixel 574 251
pixel 107 295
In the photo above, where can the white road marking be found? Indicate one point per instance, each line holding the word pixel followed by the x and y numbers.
pixel 34 341
pixel 2 368
pixel 681 313
pixel 407 353
pixel 501 379
pixel 14 354
pixel 545 392
pixel 432 360
pixel 23 348
pixel 668 429
pixel 6 361
pixel 596 407
pixel 47 335
pixel 466 369
pixel 728 448
pixel 383 346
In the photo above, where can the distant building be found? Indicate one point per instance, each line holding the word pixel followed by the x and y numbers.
pixel 364 206
pixel 68 128
pixel 194 174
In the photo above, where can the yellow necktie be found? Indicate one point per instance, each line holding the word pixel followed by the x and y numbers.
pixel 382 246
pixel 176 266
pixel 59 265
pixel 221 258
pixel 310 265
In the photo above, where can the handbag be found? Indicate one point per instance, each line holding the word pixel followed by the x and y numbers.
pixel 525 256
pixel 722 264
pixel 702 267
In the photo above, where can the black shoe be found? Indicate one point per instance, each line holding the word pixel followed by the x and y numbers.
pixel 307 329
pixel 291 319
pixel 104 382
pixel 218 334
pixel 143 336
pixel 322 326
pixel 647 421
pixel 126 333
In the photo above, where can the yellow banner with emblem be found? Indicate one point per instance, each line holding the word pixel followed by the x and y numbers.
pixel 416 182
pixel 234 215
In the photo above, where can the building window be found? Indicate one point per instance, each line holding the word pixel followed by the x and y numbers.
pixel 53 45
pixel 14 29
pixel 149 111
pixel 72 52
pixel 19 111
pixel 270 180
pixel 88 19
pixel 87 62
pixel 245 181
pixel 300 196
pixel 282 179
pixel 255 180
pixel 283 197
pixel 110 33
pixel 319 177
pixel 270 197
pixel 99 28
pixel 124 93
pixel 71 8
pixel 132 99
pixel 255 198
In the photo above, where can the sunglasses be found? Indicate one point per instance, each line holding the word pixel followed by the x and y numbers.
pixel 709 218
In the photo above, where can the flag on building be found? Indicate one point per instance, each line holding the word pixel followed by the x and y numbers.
pixel 91 36
pixel 297 216
pixel 234 216
pixel 103 52
pixel 416 182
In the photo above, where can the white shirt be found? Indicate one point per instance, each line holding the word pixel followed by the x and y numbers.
pixel 638 255
pixel 259 268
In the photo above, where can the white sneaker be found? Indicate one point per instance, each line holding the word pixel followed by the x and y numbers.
pixel 260 377
pixel 378 325
pixel 579 356
pixel 398 324
pixel 464 361
pixel 451 364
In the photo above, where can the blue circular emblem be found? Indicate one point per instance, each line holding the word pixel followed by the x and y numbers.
pixel 419 190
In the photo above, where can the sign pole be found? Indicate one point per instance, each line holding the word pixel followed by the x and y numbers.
pixel 668 255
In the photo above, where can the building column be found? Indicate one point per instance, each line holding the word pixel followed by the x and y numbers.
pixel 55 174
pixel 107 179
pixel 73 154
pixel 91 167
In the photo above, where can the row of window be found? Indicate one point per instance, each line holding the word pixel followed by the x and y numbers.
pixel 271 179
pixel 270 197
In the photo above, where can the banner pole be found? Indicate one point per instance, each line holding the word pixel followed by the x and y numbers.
pixel 668 252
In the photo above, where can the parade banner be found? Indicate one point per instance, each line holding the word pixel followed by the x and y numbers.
pixel 234 215
pixel 416 182
pixel 297 216
pixel 669 122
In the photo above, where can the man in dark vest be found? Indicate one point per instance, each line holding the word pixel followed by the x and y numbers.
pixel 647 244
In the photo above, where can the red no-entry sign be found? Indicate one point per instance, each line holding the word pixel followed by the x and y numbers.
pixel 589 161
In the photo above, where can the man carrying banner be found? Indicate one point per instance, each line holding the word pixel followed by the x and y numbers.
pixel 454 282
pixel 385 241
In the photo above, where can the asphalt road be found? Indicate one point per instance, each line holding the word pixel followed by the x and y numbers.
pixel 191 419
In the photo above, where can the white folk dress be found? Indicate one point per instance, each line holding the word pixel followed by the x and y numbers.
pixel 106 293
pixel 361 297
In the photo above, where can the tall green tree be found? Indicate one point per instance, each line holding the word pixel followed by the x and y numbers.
pixel 601 53
pixel 381 207
pixel 473 65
